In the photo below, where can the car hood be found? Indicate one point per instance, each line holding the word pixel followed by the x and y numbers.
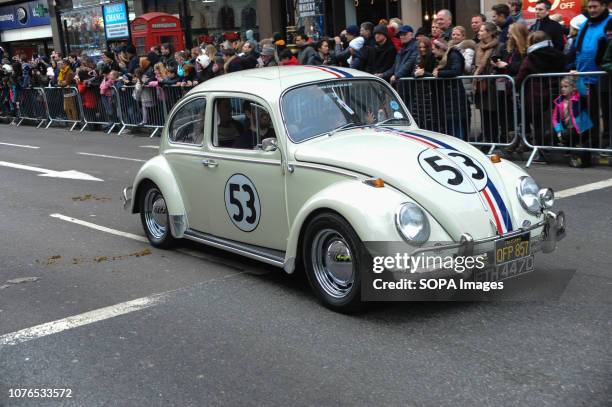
pixel 417 163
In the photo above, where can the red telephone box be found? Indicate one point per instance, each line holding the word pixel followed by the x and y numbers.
pixel 155 29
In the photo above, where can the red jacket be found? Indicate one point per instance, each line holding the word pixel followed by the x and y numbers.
pixel 292 61
pixel 396 41
pixel 88 97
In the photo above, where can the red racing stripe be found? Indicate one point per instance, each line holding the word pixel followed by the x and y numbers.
pixel 497 222
pixel 337 75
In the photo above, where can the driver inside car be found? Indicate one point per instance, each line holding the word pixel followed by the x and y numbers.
pixel 228 129
pixel 258 126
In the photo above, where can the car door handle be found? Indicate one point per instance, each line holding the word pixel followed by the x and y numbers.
pixel 210 163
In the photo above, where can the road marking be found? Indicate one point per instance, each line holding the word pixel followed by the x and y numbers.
pixel 584 188
pixel 18 145
pixel 112 156
pixel 101 314
pixel 50 328
pixel 100 228
pixel 72 174
pixel 155 147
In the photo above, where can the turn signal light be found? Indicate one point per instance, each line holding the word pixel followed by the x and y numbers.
pixel 495 158
pixel 375 182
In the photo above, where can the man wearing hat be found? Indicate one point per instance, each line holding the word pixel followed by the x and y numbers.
pixel 351 32
pixel 405 60
pixel 268 57
pixel 384 52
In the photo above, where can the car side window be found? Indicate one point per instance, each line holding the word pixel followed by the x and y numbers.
pixel 188 123
pixel 241 124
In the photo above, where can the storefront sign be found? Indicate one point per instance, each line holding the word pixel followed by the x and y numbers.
pixel 23 15
pixel 310 14
pixel 115 21
pixel 567 8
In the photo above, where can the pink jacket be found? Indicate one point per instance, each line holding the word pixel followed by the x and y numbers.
pixel 105 87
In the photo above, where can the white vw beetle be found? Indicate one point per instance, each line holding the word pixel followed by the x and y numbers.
pixel 299 166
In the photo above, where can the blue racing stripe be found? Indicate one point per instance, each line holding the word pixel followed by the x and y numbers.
pixel 430 139
pixel 341 72
pixel 500 204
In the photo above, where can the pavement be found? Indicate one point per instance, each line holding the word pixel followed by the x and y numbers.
pixel 196 326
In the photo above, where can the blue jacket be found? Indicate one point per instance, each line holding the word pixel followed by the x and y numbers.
pixel 405 61
pixel 578 110
pixel 586 50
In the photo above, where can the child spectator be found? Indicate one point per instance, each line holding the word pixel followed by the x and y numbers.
pixel 570 119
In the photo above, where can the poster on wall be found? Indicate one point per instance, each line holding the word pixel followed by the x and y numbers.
pixel 567 8
pixel 310 17
pixel 115 21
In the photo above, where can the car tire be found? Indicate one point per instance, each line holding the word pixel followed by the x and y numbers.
pixel 154 217
pixel 334 258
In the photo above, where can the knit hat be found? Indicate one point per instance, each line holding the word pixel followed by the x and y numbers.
pixel 353 30
pixel 7 68
pixel 356 43
pixel 380 29
pixel 268 51
pixel 203 60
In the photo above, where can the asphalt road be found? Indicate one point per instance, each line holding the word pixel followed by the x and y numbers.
pixel 222 330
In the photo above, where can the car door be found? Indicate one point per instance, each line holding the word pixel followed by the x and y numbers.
pixel 184 154
pixel 245 183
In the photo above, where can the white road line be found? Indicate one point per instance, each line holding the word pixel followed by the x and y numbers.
pixel 155 147
pixel 18 145
pixel 584 188
pixel 100 228
pixel 50 328
pixel 115 157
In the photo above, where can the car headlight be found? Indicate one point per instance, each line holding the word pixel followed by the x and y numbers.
pixel 412 224
pixel 527 192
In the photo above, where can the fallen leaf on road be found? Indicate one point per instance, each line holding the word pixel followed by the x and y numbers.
pixel 53 259
pixel 100 259
pixel 144 252
pixel 89 197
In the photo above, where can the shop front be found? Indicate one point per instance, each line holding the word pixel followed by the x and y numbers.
pixel 25 28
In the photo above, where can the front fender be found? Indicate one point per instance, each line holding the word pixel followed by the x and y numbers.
pixel 158 171
pixel 370 211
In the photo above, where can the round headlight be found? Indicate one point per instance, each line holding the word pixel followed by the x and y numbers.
pixel 546 197
pixel 412 224
pixel 527 192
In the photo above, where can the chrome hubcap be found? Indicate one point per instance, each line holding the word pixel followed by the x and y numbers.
pixel 155 213
pixel 333 263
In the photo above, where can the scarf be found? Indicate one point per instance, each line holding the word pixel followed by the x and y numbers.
pixel 483 56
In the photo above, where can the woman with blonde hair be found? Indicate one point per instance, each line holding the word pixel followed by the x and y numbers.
pixel 465 46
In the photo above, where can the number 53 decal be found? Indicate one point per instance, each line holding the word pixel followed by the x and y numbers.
pixel 242 202
pixel 454 170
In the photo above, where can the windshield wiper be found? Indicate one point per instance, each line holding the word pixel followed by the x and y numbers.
pixel 345 126
pixel 389 120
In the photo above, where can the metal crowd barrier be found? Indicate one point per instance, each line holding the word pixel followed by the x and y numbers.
pixel 99 109
pixel 587 127
pixel 479 109
pixel 148 106
pixel 63 105
pixel 31 105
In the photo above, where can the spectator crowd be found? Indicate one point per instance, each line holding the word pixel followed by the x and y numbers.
pixel 391 50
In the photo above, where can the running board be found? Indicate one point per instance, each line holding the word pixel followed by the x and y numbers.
pixel 268 256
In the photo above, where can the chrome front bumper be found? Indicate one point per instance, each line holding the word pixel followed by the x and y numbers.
pixel 553 230
pixel 126 198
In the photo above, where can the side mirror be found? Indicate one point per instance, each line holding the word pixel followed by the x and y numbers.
pixel 269 144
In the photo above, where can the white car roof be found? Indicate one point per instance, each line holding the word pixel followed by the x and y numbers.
pixel 272 81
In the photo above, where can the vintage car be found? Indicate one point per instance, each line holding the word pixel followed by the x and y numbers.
pixel 299 166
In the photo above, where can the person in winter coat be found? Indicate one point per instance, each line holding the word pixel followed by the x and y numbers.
pixel 510 61
pixel 418 94
pixel 541 57
pixel 500 15
pixel 543 23
pixel 405 60
pixel 466 46
pixel 249 55
pixel 88 95
pixel 322 55
pixel 287 58
pixel 570 46
pixel 485 94
pixel 570 118
pixel 268 57
pixel 590 48
pixel 384 52
pixel 342 55
pixel 233 62
pixel 305 48
pixel 356 60
pixel 606 64
pixel 450 93
pixel 106 94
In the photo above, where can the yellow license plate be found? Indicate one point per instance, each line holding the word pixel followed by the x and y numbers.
pixel 512 248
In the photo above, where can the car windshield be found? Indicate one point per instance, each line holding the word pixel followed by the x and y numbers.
pixel 328 107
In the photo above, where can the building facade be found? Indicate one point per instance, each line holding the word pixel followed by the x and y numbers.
pixel 25 27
